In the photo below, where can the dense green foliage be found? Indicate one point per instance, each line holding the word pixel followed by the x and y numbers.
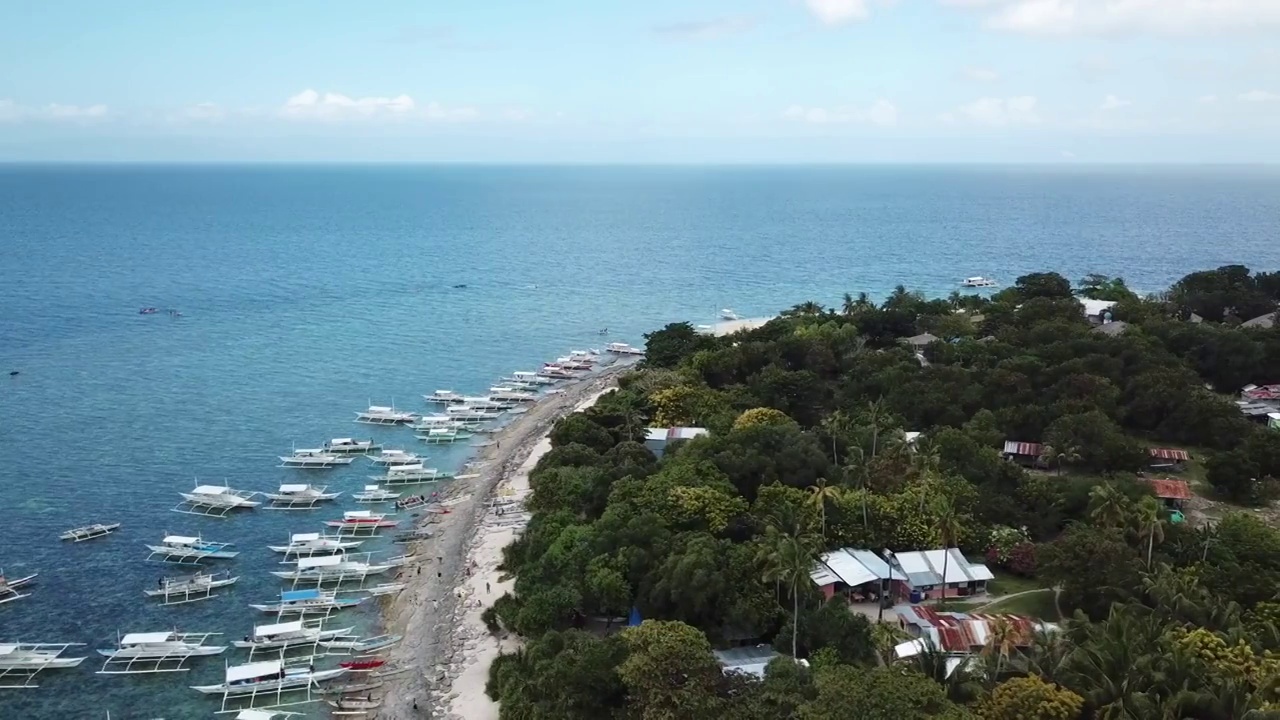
pixel 808 450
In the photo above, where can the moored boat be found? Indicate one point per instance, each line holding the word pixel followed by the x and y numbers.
pixel 192 588
pixel 374 494
pixel 978 282
pixel 268 676
pixel 618 348
pixel 313 459
pixel 413 474
pixel 331 569
pixel 215 501
pixel 189 549
pixel 89 532
pixel 153 652
pixel 342 446
pixel 308 544
pixel 20 662
pixel 390 457
pixel 311 601
pixel 362 519
pixel 298 497
pixel 280 636
pixel 384 415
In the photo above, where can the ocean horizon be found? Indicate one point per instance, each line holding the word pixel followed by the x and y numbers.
pixel 308 291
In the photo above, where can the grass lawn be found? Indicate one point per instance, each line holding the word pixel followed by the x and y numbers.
pixel 1008 584
pixel 1037 605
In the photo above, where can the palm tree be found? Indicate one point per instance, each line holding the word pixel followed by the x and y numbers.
pixel 836 424
pixel 819 493
pixel 875 412
pixel 1049 456
pixel 807 307
pixel 949 527
pixel 1001 643
pixel 1069 455
pixel 1108 507
pixel 1150 524
pixel 788 561
pixel 849 307
pixel 857 470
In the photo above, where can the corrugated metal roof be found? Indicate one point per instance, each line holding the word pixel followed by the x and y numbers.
pixel 1170 489
pixel 1012 447
pixel 1264 392
pixel 1170 454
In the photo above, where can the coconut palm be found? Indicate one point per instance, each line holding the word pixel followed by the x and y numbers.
pixel 858 472
pixel 948 523
pixel 875 413
pixel 819 494
pixel 788 560
pixel 1150 524
pixel 1108 507
pixel 1002 643
pixel 836 425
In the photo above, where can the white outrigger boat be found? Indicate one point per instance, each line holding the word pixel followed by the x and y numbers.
pixel 385 589
pixel 311 601
pixel 268 677
pixel 441 422
pixel 215 501
pixel 354 705
pixel 331 569
pixel 978 282
pixel 618 348
pixel 365 646
pixel 298 497
pixel 390 457
pixel 375 494
pixel 414 474
pixel 361 520
pixel 384 415
pixel 9 587
pixel 155 652
pixel 191 588
pixel 89 532
pixel 528 377
pixel 344 446
pixel 555 372
pixel 505 394
pixel 444 436
pixel 473 413
pixel 187 550
pixel 281 636
pixel 313 459
pixel 308 544
pixel 21 662
pixel 445 397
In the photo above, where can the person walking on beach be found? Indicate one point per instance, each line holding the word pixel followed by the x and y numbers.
pixel 486 589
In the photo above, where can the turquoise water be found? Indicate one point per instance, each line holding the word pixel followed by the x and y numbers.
pixel 308 292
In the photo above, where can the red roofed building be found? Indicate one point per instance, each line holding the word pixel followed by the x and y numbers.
pixel 960 634
pixel 1172 492
pixel 1169 458
pixel 1023 453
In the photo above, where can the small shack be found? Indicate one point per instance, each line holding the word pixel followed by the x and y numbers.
pixel 1168 459
pixel 1173 493
pixel 1097 312
pixel 657 439
pixel 748 660
pixel 921 341
pixel 864 576
pixel 1024 453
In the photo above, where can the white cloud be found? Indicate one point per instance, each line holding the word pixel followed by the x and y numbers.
pixel 981 75
pixel 997 112
pixel 882 113
pixel 1207 99
pixel 11 111
pixel 74 112
pixel 837 12
pixel 1111 102
pixel 1173 17
pixel 1258 96
pixel 310 104
pixel 204 112
pixel 705 29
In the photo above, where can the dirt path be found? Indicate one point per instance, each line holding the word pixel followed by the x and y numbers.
pixel 429 612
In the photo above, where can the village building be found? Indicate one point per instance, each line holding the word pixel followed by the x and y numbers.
pixel 1168 459
pixel 1097 312
pixel 749 660
pixel 1173 493
pixel 1023 453
pixel 1259 403
pixel 961 636
pixel 1113 328
pixel 865 576
pixel 657 439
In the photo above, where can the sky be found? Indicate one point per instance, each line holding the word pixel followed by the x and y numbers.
pixel 699 81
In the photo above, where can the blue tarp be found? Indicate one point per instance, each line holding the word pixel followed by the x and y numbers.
pixel 634 618
pixel 291 595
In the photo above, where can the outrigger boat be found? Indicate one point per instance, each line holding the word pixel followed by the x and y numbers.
pixel 155 652
pixel 257 714
pixel 363 664
pixel 339 446
pixel 356 704
pixel 529 377
pixel 472 413
pixel 308 544
pixel 413 474
pixel 443 436
pixel 270 676
pixel 618 348
pixel 508 394
pixel 313 459
pixel 331 569
pixel 352 688
pixel 281 636
pixel 298 497
pixel 191 588
pixel 9 587
pixel 413 502
pixel 391 457
pixel 21 662
pixel 89 532
pixel 215 501
pixel 361 519
pixel 365 646
pixel 187 550
pixel 384 415
pixel 411 536
pixel 385 589
pixel 444 397
pixel 308 602
pixel 374 494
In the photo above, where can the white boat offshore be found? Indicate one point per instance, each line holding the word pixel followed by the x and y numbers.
pixel 311 601
pixel 978 282
pixel 313 458
pixel 375 494
pixel 390 457
pixel 529 377
pixel 192 588
pixel 410 475
pixel 215 501
pixel 21 662
pixel 331 569
pixel 308 544
pixel 89 532
pixel 384 415
pixel 155 652
pixel 618 348
pixel 280 636
pixel 341 446
pixel 268 676
pixel 189 549
pixel 444 397
pixel 470 413
pixel 298 497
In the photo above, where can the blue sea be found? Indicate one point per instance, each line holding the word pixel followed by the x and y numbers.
pixel 309 292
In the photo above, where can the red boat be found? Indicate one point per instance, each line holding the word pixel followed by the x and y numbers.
pixel 362 519
pixel 360 665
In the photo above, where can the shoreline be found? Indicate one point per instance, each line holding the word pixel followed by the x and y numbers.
pixel 441 630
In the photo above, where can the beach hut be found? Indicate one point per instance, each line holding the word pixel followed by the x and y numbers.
pixel 1173 493
pixel 657 439
pixel 1023 453
pixel 1168 459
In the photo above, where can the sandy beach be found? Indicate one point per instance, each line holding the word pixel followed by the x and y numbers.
pixel 439 612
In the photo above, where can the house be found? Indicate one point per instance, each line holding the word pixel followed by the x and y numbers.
pixel 1258 402
pixel 1263 322
pixel 960 635
pixel 1097 311
pixel 1112 328
pixel 749 660
pixel 656 439
pixel 1023 453
pixel 1171 492
pixel 919 342
pixel 864 575
pixel 1171 459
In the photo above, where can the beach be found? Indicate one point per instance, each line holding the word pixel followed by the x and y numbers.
pixel 456 579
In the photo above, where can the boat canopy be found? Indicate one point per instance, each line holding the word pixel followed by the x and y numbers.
pixel 277 629
pixel 7 649
pixel 180 540
pixel 357 515
pixel 303 537
pixel 407 469
pixel 210 489
pixel 145 638
pixel 294 595
pixel 323 561
pixel 257 715
pixel 293 488
pixel 308 451
pixel 371 488
pixel 379 409
pixel 342 441
pixel 250 671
